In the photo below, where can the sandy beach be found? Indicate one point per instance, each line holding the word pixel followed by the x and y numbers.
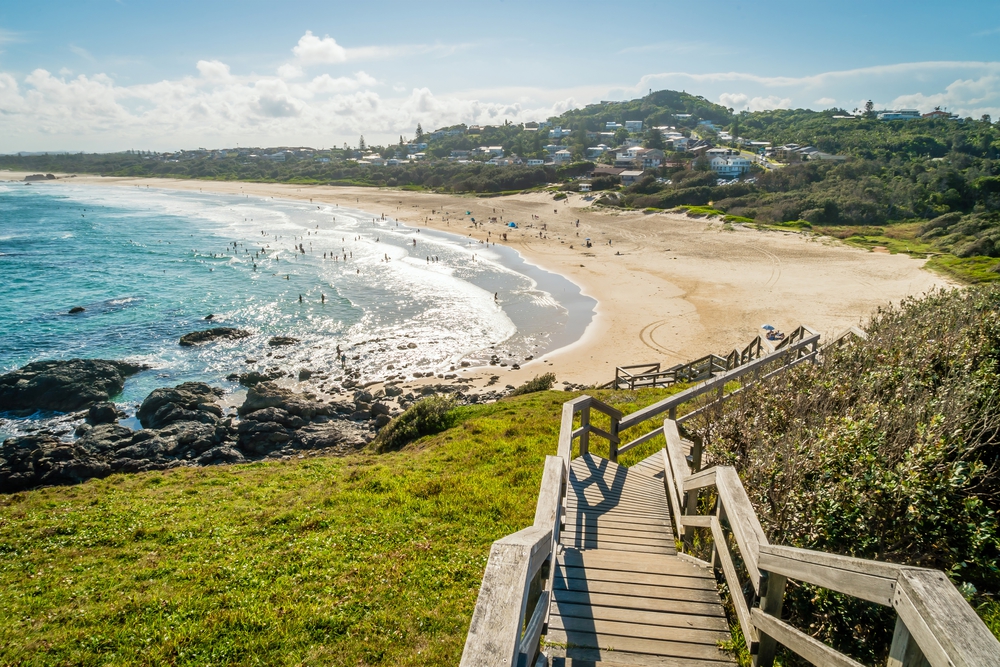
pixel 669 288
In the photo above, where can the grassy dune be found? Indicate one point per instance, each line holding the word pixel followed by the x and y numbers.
pixel 363 560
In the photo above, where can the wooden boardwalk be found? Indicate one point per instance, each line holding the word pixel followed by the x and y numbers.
pixel 621 595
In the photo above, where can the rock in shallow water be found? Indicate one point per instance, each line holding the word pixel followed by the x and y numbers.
pixel 190 401
pixel 208 335
pixel 64 385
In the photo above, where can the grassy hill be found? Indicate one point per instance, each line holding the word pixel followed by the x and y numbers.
pixel 363 560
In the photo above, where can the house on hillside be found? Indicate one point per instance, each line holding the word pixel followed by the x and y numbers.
pixel 531 126
pixel 899 114
pixel 534 162
pixel 939 113
pixel 633 125
pixel 631 177
pixel 730 167
pixel 563 157
pixel 598 150
pixel 558 132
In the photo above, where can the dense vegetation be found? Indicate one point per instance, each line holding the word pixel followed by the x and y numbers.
pixel 888 450
pixel 361 560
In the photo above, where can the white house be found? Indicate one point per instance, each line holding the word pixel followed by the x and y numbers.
pixel 563 157
pixel 730 167
pixel 558 132
pixel 633 125
pixel 598 150
pixel 551 149
pixel 900 114
pixel 612 125
pixel 532 162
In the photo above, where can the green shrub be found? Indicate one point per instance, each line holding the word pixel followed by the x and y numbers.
pixel 538 383
pixel 425 417
pixel 560 195
pixel 886 450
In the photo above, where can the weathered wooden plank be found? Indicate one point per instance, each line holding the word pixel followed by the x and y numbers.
pixel 642 439
pixel 653 564
pixel 672 581
pixel 694 608
pixel 601 536
pixel 652 647
pixel 625 530
pixel 529 644
pixel 697 520
pixel 742 519
pixel 642 497
pixel 589 657
pixel 700 480
pixel 565 448
pixel 630 548
pixel 732 578
pixel 944 625
pixel 601 406
pixel 714 623
pixel 865 579
pixel 634 630
pixel 617 588
pixel 811 649
pixel 498 616
pixel 616 519
pixel 585 541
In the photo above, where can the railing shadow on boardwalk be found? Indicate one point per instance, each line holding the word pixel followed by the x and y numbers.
pixel 935 625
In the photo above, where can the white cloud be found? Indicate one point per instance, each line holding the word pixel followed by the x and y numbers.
pixel 213 70
pixel 290 71
pixel 82 52
pixel 311 50
pixel 825 102
pixel 742 101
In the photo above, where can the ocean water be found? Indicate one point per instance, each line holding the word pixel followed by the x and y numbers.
pixel 149 265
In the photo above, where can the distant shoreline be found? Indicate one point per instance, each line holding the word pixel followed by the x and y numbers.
pixel 680 287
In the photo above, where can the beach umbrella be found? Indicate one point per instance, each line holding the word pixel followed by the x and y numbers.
pixel 768 327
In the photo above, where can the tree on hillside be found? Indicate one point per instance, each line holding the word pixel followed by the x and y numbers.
pixel 654 139
pixel 420 133
pixel 869 109
pixel 361 143
pixel 735 128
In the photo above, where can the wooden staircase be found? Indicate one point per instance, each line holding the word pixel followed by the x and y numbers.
pixel 620 593
pixel 597 578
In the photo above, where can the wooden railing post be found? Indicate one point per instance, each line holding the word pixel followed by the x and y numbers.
pixel 613 444
pixel 904 651
pixel 772 591
pixel 585 434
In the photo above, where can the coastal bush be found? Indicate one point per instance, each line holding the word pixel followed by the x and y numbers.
pixel 886 450
pixel 425 417
pixel 538 383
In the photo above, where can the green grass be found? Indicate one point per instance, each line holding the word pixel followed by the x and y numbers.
pixel 701 211
pixel 967 269
pixel 361 560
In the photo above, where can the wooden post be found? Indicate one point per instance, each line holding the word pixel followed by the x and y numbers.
pixel 613 444
pixel 904 651
pixel 772 590
pixel 585 425
pixel 691 503
pixel 673 413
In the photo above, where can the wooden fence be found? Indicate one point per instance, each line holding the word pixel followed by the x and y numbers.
pixel 935 626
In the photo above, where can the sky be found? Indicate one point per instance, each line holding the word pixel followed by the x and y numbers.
pixel 109 75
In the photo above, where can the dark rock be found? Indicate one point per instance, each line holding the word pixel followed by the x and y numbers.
pixel 190 401
pixel 76 309
pixel 360 416
pixel 64 386
pixel 82 428
pixel 104 438
pixel 278 341
pixel 199 337
pixel 276 415
pixel 515 367
pixel 382 420
pixel 465 364
pixel 254 377
pixel 221 454
pixel 102 413
pixel 380 409
pixel 37 460
pixel 269 395
pixel 305 374
pixel 210 316
pixel 393 391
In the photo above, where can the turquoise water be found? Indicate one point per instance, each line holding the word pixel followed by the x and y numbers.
pixel 148 265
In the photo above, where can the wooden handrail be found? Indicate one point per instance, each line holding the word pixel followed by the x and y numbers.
pixel 934 622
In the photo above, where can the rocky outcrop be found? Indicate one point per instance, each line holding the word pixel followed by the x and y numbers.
pixel 208 335
pixel 269 395
pixel 38 460
pixel 191 401
pixel 64 385
pixel 103 413
pixel 279 341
